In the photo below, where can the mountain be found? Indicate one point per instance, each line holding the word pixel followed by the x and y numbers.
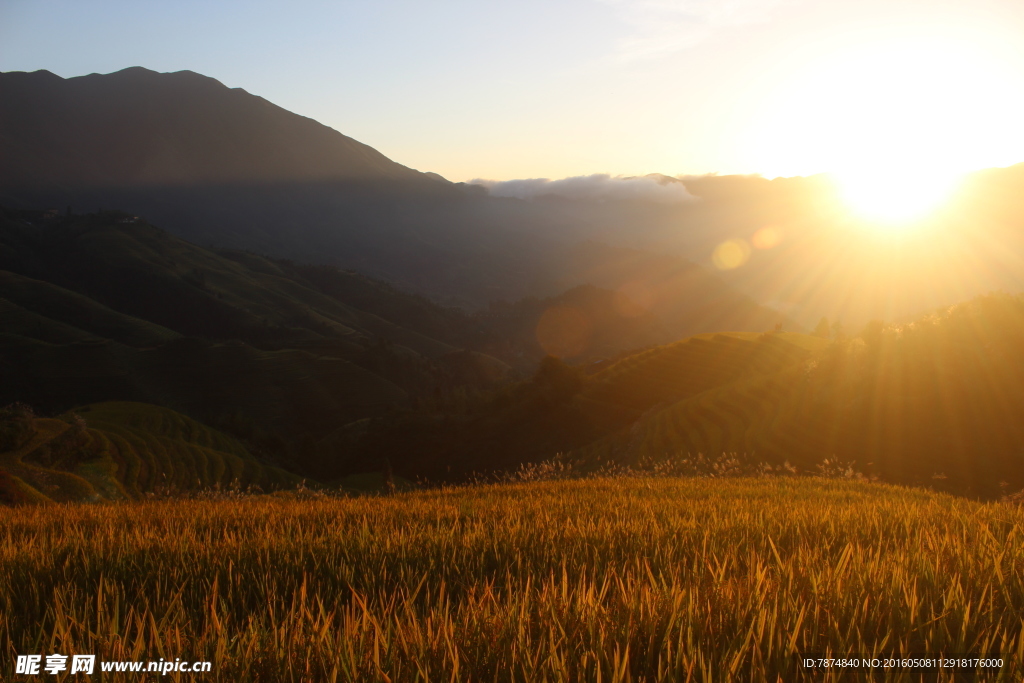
pixel 220 167
pixel 137 128
pixel 562 409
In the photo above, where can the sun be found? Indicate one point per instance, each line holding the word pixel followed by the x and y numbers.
pixel 895 197
pixel 896 121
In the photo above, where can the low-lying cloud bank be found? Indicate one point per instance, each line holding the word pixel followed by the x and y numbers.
pixel 599 187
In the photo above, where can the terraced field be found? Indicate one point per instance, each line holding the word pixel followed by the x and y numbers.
pixel 123 450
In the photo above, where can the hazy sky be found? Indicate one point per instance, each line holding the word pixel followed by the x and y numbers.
pixel 557 88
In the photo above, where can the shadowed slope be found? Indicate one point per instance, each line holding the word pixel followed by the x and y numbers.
pixel 120 450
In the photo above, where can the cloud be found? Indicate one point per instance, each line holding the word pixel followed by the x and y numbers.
pixel 661 27
pixel 599 187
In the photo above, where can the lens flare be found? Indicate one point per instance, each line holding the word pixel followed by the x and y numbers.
pixel 767 237
pixel 731 254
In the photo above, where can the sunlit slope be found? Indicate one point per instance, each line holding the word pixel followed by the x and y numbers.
pixel 648 579
pixel 937 403
pixel 121 450
pixel 688 367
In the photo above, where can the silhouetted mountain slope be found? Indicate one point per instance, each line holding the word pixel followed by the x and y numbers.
pixel 139 270
pixel 585 322
pixel 331 372
pixel 456 435
pixel 686 298
pixel 628 388
pixel 289 392
pixel 137 127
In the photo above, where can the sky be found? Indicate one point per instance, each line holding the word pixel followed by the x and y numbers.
pixel 563 88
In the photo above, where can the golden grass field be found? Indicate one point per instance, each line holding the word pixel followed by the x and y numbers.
pixel 630 579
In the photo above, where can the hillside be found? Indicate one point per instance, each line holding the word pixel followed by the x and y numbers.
pixel 934 403
pixel 86 286
pixel 687 298
pixel 144 272
pixel 632 386
pixel 117 451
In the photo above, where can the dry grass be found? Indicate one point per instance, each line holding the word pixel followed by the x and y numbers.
pixel 654 579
